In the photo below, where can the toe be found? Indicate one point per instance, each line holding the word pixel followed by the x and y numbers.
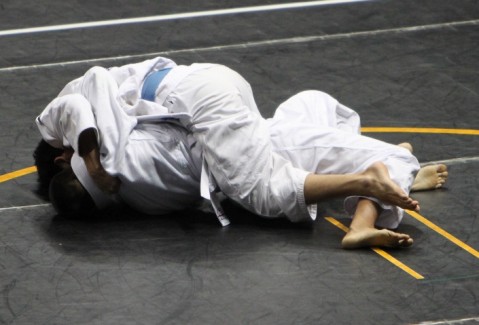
pixel 441 168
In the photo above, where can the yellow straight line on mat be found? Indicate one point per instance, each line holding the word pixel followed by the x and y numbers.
pixel 17 173
pixel 420 130
pixel 444 233
pixel 381 252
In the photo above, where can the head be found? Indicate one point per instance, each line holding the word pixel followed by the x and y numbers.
pixel 58 183
pixel 44 157
pixel 68 196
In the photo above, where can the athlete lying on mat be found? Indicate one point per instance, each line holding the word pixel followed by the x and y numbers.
pixel 161 139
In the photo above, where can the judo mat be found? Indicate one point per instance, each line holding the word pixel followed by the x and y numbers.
pixel 410 69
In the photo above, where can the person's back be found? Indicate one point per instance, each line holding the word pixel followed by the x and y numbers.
pixel 161 170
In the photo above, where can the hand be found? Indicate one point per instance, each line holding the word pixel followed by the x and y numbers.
pixel 107 183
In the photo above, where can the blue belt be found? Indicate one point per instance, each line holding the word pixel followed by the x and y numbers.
pixel 148 92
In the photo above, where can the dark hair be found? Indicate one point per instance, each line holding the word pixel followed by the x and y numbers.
pixel 44 156
pixel 68 196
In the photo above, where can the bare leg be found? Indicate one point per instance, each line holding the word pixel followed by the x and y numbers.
pixel 373 182
pixel 362 232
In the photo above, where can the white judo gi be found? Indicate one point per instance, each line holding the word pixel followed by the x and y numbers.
pixel 158 164
pixel 316 133
pixel 260 164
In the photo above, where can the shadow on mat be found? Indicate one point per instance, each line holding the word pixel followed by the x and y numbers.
pixel 194 234
pixel 134 235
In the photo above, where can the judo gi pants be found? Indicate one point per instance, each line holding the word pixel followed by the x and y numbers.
pixel 262 165
pixel 235 143
pixel 316 133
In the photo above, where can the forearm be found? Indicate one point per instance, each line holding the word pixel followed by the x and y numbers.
pixel 63 120
pixel 89 150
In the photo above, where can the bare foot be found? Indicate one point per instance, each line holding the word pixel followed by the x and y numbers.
pixel 371 237
pixel 430 178
pixel 406 145
pixel 378 184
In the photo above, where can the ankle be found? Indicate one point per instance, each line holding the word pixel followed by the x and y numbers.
pixel 366 184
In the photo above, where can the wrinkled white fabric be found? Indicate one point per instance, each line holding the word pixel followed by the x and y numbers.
pixel 260 164
pixel 158 163
pixel 235 143
pixel 316 133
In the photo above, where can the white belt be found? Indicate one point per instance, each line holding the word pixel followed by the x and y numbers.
pixel 210 191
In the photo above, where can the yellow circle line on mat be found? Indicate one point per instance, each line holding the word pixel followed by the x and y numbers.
pixel 17 173
pixel 444 233
pixel 372 129
pixel 419 130
pixel 380 252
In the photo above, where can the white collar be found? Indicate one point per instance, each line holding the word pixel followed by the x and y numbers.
pixel 101 199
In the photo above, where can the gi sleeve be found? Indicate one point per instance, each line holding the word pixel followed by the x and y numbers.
pixel 64 119
pixel 113 124
pixel 73 87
